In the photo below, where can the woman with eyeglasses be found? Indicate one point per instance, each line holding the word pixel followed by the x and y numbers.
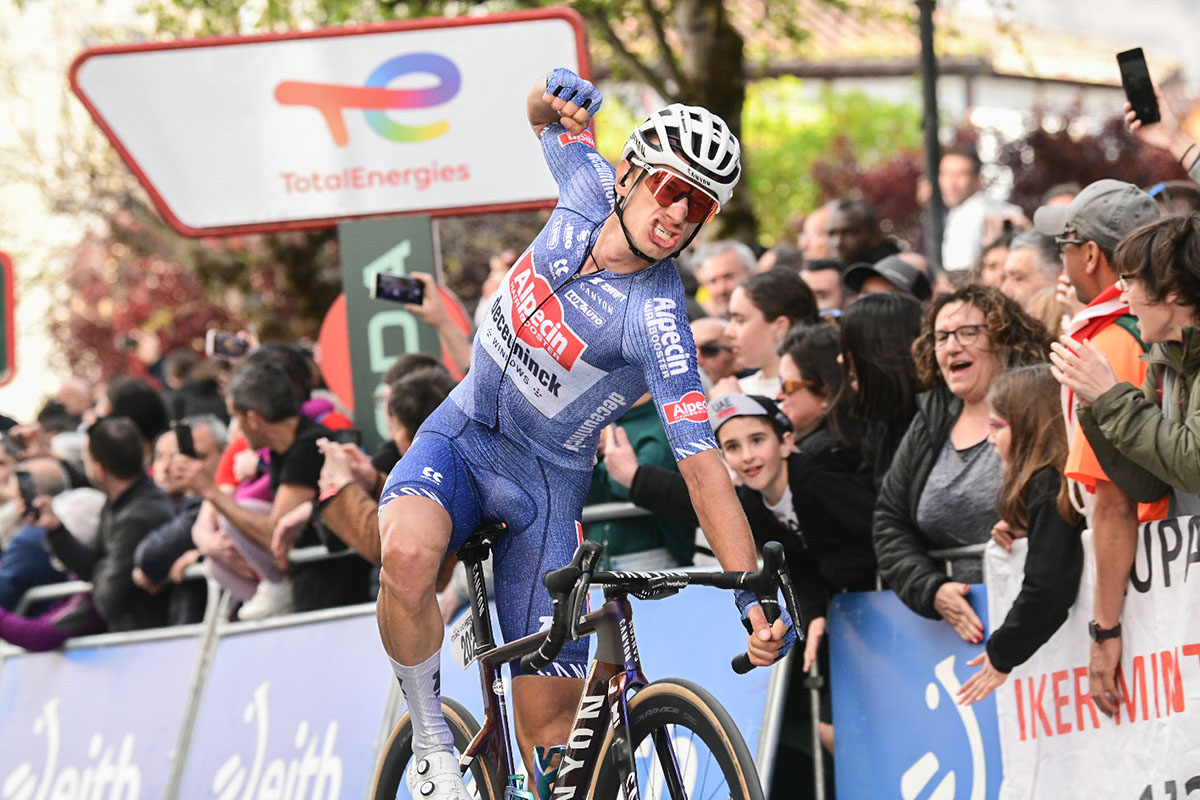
pixel 810 390
pixel 1148 439
pixel 941 489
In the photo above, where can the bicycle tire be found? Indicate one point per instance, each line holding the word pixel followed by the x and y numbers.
pixel 483 780
pixel 691 709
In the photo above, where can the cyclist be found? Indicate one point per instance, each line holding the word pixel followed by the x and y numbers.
pixel 588 318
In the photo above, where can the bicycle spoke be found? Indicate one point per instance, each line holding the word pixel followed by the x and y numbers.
pixel 675 764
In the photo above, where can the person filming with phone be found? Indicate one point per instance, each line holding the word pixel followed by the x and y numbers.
pixel 1152 120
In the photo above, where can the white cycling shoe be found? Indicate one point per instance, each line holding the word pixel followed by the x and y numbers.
pixel 436 777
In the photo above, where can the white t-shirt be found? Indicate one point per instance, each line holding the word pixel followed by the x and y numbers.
pixel 962 240
pixel 757 384
pixel 785 512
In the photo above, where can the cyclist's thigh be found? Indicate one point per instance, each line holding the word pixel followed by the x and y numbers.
pixel 541 505
pixel 435 469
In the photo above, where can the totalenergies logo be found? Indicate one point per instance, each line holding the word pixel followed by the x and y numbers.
pixel 375 99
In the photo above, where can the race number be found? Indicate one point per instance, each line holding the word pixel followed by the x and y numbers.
pixel 462 641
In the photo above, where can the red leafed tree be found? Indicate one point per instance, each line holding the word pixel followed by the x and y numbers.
pixel 135 275
pixel 1038 160
pixel 890 188
pixel 1041 159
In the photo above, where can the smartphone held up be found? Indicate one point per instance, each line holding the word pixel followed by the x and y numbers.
pixel 398 288
pixel 1139 89
pixel 218 344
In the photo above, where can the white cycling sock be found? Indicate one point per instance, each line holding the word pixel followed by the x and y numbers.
pixel 422 688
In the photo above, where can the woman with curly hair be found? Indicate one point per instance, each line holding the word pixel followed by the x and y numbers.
pixel 941 489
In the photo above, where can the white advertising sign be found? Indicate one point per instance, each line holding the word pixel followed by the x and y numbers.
pixel 1055 743
pixel 275 132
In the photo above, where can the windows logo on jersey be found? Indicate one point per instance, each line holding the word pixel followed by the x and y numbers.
pixel 541 312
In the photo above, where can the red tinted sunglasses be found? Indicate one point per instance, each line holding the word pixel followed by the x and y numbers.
pixel 667 188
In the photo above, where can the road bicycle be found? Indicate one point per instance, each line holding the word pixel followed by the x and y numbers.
pixel 630 738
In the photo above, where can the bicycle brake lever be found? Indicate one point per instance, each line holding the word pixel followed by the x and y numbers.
pixel 775 576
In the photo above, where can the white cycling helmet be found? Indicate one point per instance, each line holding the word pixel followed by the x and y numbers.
pixel 694 142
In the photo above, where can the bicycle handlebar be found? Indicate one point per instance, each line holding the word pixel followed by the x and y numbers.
pixel 767 584
pixel 569 586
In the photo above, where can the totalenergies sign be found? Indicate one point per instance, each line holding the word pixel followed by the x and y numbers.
pixel 375 98
pixel 286 131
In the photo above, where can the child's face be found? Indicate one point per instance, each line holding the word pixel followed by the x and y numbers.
pixel 999 434
pixel 754 451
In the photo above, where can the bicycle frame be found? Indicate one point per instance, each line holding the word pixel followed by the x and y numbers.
pixel 615 669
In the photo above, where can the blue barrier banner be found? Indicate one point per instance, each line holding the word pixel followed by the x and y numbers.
pixel 291 713
pixel 691 635
pixel 899 731
pixel 96 722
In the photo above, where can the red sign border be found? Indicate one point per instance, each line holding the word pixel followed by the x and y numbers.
pixel 571 16
pixel 10 341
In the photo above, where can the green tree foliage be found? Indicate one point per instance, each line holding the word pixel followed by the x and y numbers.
pixel 802 152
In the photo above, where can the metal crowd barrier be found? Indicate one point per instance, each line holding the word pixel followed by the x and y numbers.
pixel 219 601
pixel 303 555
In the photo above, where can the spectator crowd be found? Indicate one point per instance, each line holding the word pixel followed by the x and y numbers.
pixel 871 411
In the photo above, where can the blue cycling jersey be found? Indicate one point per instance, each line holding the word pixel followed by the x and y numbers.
pixel 559 357
pixel 562 355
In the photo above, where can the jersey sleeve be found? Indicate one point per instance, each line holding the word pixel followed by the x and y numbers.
pixel 584 177
pixel 659 341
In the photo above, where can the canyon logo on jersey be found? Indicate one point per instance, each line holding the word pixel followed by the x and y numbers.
pixel 691 406
pixel 534 301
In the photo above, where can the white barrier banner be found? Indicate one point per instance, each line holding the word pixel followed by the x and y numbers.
pixel 287 130
pixel 1055 742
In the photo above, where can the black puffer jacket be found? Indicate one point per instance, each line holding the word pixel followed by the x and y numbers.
pixel 901 550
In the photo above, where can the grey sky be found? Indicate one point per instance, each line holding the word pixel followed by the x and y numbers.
pixel 1169 26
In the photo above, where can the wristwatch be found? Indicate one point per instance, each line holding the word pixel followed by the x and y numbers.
pixel 1099 634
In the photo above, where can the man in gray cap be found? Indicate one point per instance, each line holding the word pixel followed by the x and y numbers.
pixel 1087 231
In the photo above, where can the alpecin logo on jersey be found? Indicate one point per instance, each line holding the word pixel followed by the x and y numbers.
pixel 691 406
pixel 534 302
pixel 586 137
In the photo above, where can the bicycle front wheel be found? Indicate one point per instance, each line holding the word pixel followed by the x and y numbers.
pixel 481 779
pixel 677 721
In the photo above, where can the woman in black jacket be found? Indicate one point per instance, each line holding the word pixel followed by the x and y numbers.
pixel 940 490
pixel 1029 436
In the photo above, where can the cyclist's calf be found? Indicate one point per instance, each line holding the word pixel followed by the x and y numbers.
pixel 415 532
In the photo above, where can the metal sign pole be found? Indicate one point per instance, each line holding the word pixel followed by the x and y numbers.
pixel 936 219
